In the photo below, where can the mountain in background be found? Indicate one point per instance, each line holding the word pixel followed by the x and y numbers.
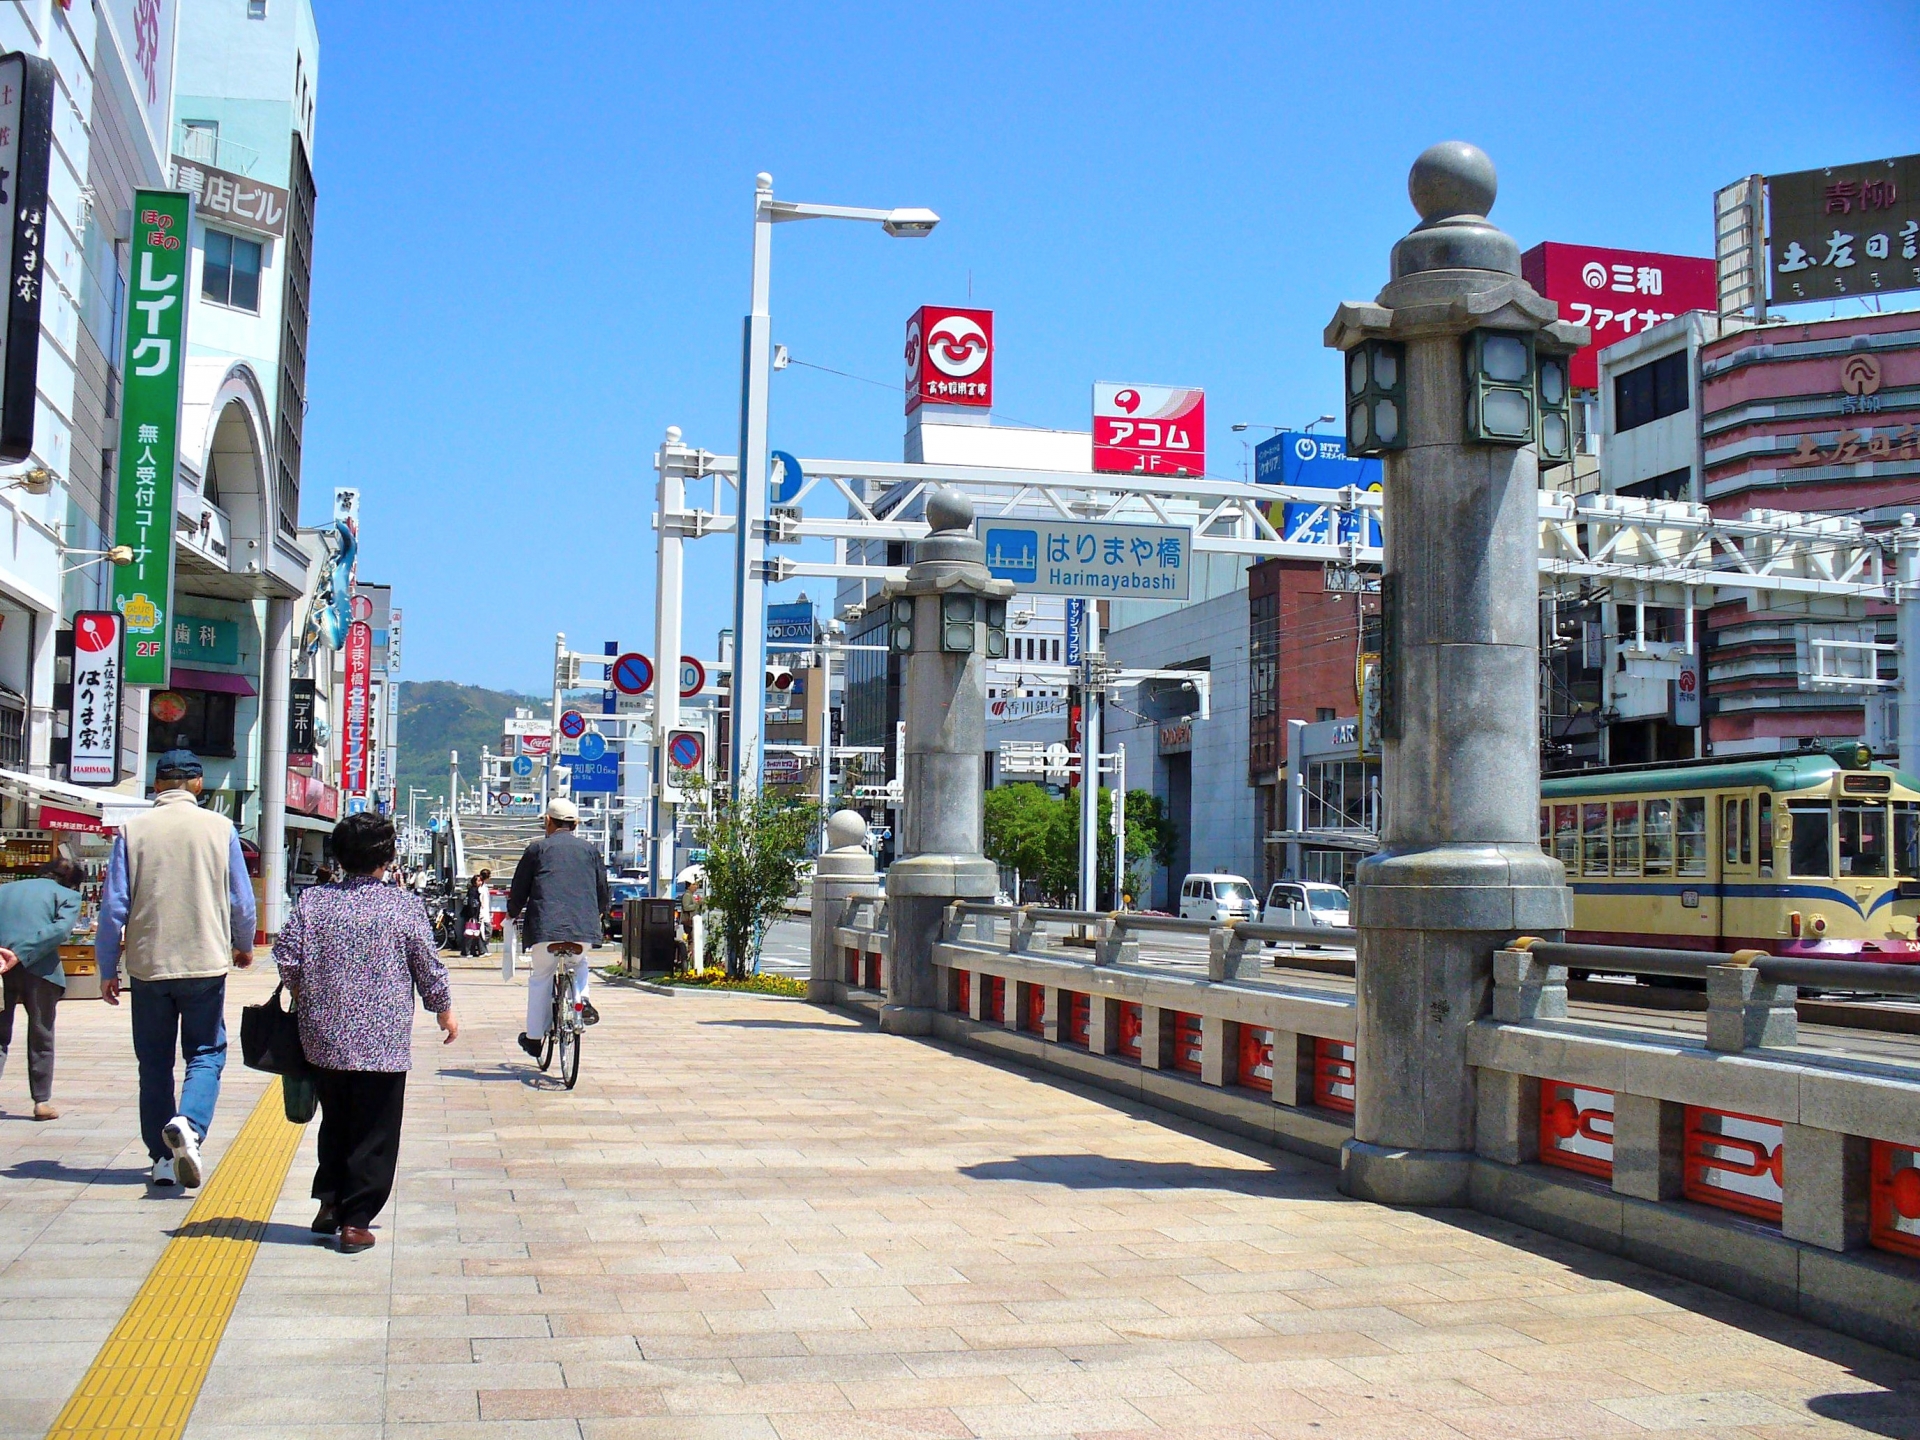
pixel 437 716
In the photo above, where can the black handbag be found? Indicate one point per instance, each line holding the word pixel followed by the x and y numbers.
pixel 270 1037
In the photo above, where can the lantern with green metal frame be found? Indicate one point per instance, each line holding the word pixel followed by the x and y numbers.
pixel 1499 384
pixel 1376 397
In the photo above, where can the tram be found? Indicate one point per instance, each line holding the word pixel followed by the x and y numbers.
pixel 1809 854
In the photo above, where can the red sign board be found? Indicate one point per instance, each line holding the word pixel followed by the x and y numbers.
pixel 356 735
pixel 53 817
pixel 1149 430
pixel 309 796
pixel 536 744
pixel 949 357
pixel 1616 293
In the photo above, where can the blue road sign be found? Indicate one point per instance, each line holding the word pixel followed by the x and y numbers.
pixel 632 673
pixel 1076 629
pixel 1090 557
pixel 522 766
pixel 787 478
pixel 685 750
pixel 1314 462
pixel 573 724
pixel 593 776
pixel 592 745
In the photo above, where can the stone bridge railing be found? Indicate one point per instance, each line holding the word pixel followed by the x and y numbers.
pixel 1727 1152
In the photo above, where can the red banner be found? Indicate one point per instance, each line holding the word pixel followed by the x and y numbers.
pixel 949 357
pixel 1616 293
pixel 355 736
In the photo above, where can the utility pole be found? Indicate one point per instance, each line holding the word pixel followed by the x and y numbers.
pixel 672 496
pixel 1119 827
pixel 1907 634
pixel 1446 381
pixel 750 547
pixel 550 780
pixel 1091 665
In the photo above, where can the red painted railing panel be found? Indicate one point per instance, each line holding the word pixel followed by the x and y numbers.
pixel 873 970
pixel 1130 1025
pixel 1186 1042
pixel 1576 1128
pixel 1734 1161
pixel 1894 1222
pixel 1079 1018
pixel 963 991
pixel 1255 1068
pixel 1333 1075
pixel 1037 1009
pixel 852 975
pixel 996 998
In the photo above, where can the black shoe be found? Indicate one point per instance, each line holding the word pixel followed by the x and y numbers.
pixel 588 1013
pixel 326 1222
pixel 531 1046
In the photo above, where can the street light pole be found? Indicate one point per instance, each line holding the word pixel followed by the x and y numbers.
pixel 750 544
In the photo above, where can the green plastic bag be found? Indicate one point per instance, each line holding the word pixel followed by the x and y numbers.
pixel 299 1097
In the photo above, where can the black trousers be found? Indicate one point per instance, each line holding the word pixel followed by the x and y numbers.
pixel 360 1114
pixel 40 999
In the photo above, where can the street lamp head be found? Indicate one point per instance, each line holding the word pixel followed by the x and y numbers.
pixel 1241 426
pixel 120 555
pixel 909 223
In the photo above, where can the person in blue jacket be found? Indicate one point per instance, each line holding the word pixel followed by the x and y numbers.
pixel 36 917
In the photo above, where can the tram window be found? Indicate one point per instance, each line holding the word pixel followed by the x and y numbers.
pixel 1906 839
pixel 1810 846
pixel 1690 834
pixel 1766 833
pixel 1566 835
pixel 1736 832
pixel 1659 837
pixel 1863 839
pixel 1546 829
pixel 1593 835
pixel 1626 837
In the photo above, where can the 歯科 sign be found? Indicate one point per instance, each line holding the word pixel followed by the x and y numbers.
pixel 1616 293
pixel 152 362
pixel 26 144
pixel 1090 557
pixel 356 734
pixel 232 199
pixel 1850 230
pixel 1149 430
pixel 94 742
pixel 949 358
pixel 201 639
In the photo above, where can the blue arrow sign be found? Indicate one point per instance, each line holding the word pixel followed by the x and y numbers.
pixel 787 478
pixel 522 766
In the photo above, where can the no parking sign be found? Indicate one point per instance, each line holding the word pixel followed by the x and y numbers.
pixel 686 758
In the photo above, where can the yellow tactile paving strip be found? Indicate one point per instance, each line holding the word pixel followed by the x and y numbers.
pixel 148 1374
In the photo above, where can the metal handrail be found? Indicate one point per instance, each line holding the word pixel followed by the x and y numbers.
pixel 1860 976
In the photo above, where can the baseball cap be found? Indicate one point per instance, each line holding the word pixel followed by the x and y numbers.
pixel 563 810
pixel 178 765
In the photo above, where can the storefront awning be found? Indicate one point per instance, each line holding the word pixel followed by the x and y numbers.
pixel 218 681
pixel 112 806
pixel 310 822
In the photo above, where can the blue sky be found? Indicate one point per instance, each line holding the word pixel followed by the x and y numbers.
pixel 535 224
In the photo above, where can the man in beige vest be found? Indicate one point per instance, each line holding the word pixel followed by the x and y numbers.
pixel 178 907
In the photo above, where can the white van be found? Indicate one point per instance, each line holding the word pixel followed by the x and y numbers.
pixel 1305 905
pixel 1216 897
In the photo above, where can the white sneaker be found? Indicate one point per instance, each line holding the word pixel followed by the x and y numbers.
pixel 178 1133
pixel 162 1173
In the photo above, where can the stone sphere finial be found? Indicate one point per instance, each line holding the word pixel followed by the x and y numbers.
pixel 949 510
pixel 846 830
pixel 1452 178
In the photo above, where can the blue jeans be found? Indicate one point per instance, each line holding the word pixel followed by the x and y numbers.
pixel 192 1015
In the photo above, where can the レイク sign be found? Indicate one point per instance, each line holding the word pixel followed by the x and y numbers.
pixel 151 367
pixel 94 746
pixel 1149 430
pixel 1616 293
pixel 949 358
pixel 355 734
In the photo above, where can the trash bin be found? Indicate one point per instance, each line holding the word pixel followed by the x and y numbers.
pixel 652 930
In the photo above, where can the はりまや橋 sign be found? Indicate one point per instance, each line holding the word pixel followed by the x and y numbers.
pixel 152 362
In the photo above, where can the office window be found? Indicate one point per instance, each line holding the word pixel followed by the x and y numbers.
pixel 200 140
pixel 197 720
pixel 256 9
pixel 230 272
pixel 1673 485
pixel 1650 392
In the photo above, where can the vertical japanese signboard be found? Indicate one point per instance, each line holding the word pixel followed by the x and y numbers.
pixel 95 741
pixel 26 143
pixel 356 734
pixel 1149 430
pixel 302 708
pixel 151 366
pixel 949 358
pixel 1847 231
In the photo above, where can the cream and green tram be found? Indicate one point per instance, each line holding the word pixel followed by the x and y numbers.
pixel 1796 855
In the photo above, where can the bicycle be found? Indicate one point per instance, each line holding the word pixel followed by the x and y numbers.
pixel 567 1024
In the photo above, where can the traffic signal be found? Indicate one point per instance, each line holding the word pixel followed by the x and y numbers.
pixel 779 678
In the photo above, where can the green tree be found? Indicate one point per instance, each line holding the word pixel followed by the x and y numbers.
pixel 756 845
pixel 1038 834
pixel 1018 822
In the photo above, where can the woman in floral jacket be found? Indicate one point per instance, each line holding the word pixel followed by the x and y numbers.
pixel 353 955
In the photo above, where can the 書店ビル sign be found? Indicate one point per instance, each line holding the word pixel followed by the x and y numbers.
pixel 232 199
pixel 152 361
pixel 1090 557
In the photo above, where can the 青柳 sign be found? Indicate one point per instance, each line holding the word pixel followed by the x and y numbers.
pixel 1090 557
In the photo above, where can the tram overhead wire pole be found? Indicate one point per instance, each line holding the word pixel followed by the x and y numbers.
pixel 750 577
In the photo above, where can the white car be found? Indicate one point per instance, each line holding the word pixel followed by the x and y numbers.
pixel 1215 898
pixel 1305 905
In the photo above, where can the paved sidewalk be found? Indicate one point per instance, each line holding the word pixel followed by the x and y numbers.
pixel 757 1219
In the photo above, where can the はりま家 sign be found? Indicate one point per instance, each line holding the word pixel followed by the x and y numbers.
pixel 94 742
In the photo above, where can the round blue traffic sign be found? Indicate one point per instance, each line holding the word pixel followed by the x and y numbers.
pixel 685 750
pixel 573 724
pixel 632 673
pixel 522 766
pixel 787 478
pixel 593 745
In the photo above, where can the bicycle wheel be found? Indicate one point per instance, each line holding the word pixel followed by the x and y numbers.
pixel 570 1055
pixel 554 1018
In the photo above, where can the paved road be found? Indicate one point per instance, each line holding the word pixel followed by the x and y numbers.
pixel 755 1219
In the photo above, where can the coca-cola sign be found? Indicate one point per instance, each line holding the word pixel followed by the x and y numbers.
pixel 949 358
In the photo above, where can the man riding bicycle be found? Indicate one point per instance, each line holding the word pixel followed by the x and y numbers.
pixel 559 898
